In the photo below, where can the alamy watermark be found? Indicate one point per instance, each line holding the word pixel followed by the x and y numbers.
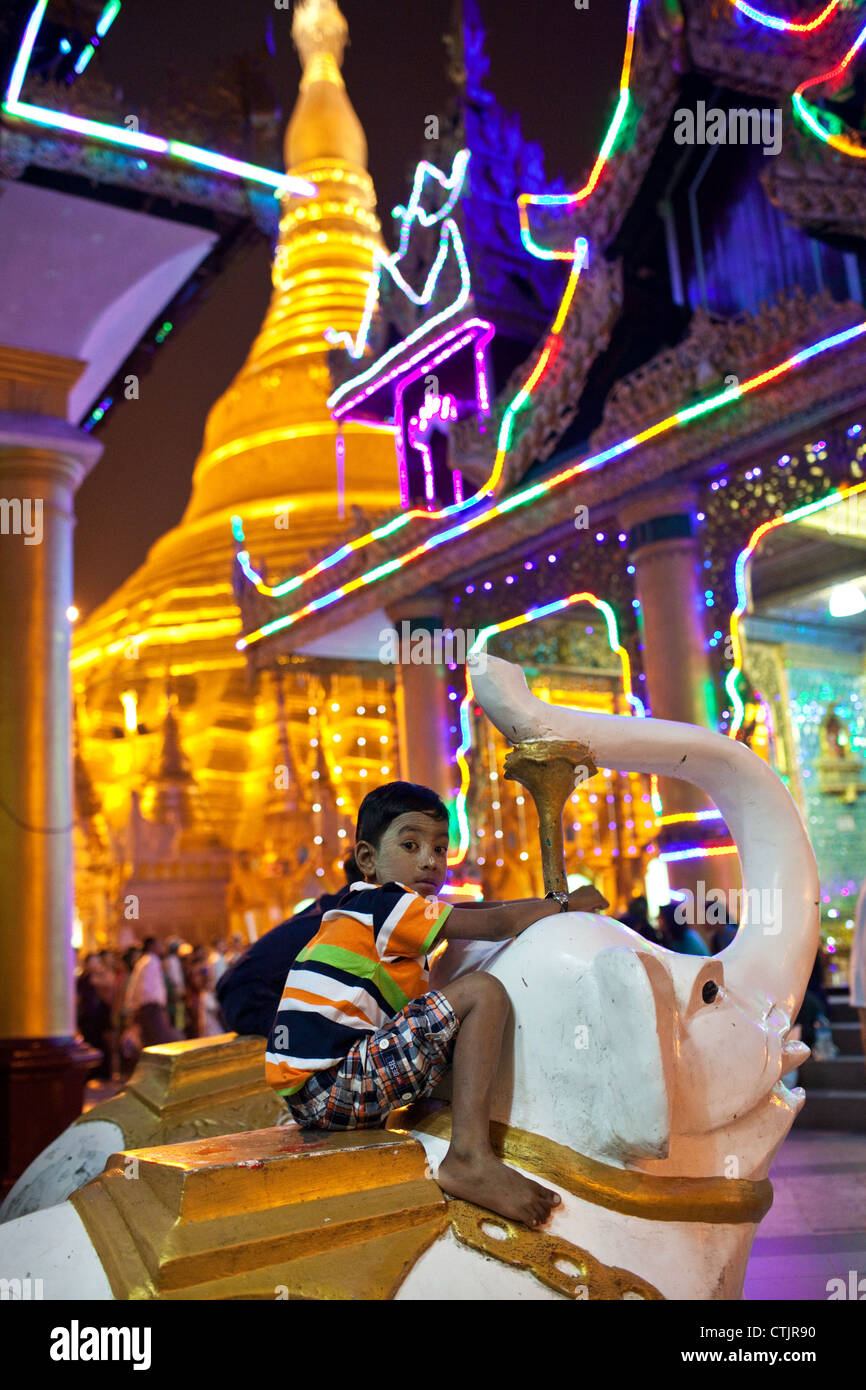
pixel 739 126
pixel 22 516
pixel 854 1289
pixel 714 907
pixel 77 1343
pixel 438 646
pixel 24 1289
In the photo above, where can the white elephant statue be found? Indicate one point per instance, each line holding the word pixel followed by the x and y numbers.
pixel 644 1086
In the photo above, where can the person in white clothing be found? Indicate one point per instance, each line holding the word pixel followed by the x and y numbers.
pixel 146 997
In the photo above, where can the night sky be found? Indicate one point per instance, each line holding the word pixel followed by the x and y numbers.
pixel 555 66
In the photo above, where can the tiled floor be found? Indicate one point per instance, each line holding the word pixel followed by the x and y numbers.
pixel 815 1230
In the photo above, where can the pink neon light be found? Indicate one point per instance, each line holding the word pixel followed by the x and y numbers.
pixel 443 408
pixel 482 384
pixel 340 411
pixel 402 469
pixel 424 364
pixel 427 457
pixel 341 474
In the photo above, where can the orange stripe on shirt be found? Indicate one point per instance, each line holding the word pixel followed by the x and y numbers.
pixel 346 932
pixel 322 1001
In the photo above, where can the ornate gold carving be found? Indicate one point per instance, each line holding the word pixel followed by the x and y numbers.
pixel 544 1256
pixel 820 191
pixel 278 1213
pixel 717 1201
pixel 758 60
pixel 546 768
pixel 712 349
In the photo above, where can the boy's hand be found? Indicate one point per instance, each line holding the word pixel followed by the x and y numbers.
pixel 587 899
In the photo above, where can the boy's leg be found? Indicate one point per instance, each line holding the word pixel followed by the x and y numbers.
pixel 470 1169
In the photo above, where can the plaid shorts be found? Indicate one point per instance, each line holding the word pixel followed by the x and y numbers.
pixel 395 1065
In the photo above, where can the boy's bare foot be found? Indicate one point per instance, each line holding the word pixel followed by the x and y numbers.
pixel 489 1183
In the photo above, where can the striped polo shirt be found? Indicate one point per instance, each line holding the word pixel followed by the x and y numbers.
pixel 365 963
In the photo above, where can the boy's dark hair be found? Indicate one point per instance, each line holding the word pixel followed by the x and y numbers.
pixel 384 804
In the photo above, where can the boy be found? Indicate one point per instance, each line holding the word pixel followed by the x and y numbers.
pixel 357 1036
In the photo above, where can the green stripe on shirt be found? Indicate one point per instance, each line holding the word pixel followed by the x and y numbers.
pixel 361 966
pixel 435 930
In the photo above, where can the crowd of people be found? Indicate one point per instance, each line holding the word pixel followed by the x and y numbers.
pixel 152 993
pixel 158 993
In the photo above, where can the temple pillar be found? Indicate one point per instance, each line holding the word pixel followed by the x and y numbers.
pixel 43 460
pixel 679 684
pixel 420 698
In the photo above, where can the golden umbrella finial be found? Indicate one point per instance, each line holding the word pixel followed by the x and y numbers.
pixel 319 28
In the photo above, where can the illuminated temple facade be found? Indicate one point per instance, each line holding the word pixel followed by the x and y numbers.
pixel 210 799
pixel 203 801
pixel 656 509
pixel 614 436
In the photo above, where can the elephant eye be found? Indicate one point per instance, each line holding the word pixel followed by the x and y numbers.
pixel 709 991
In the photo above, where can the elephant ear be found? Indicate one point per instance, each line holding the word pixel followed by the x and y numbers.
pixel 629 1050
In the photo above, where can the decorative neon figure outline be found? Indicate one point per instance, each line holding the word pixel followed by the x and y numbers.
pixel 434 410
pixel 545 361
pixel 412 212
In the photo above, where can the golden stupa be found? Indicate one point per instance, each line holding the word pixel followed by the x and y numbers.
pixel 266 779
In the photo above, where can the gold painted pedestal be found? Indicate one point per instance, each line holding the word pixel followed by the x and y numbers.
pixel 279 1213
pixel 193 1090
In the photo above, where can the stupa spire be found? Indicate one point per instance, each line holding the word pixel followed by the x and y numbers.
pixel 323 265
pixel 323 123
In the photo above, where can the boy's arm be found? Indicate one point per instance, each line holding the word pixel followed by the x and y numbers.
pixel 501 921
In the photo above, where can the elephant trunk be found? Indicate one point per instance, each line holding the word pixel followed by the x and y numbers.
pixel 773 953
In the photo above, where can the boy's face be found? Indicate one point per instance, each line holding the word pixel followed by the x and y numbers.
pixel 413 850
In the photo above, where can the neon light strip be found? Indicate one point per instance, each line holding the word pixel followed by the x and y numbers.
pixel 539 489
pixel 84 58
pixel 107 18
pixel 99 130
pixel 807 113
pixel 696 852
pixel 453 344
pixel 480 643
pixel 550 200
pixel 411 213
pixel 787 26
pixel 423 361
pixel 742 598
pixel 690 817
pixel 25 52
